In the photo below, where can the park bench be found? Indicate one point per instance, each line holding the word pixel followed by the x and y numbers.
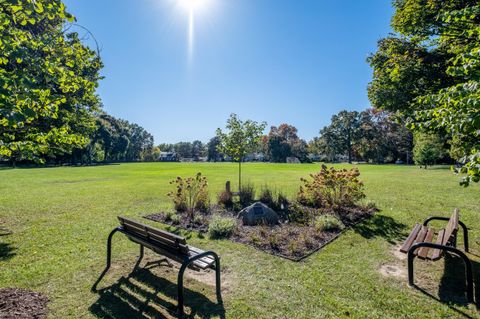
pixel 170 245
pixel 421 243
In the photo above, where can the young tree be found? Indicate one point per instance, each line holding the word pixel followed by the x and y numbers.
pixel 48 82
pixel 241 138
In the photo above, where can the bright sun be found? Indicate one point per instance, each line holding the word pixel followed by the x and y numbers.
pixel 193 5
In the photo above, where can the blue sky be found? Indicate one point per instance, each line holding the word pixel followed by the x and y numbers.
pixel 279 61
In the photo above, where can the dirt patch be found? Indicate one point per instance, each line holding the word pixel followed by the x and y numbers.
pixel 22 304
pixel 397 253
pixel 396 271
pixel 207 277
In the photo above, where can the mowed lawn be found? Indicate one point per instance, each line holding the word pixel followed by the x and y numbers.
pixel 59 220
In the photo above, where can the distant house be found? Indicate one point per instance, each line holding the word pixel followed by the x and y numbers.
pixel 254 157
pixel 168 157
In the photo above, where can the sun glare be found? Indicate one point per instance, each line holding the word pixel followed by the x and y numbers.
pixel 194 5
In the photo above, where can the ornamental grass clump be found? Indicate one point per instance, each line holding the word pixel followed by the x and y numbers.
pixel 225 199
pixel 190 194
pixel 221 227
pixel 331 188
pixel 246 195
pixel 327 223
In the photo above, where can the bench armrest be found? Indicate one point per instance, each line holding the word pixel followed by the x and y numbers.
pixel 429 219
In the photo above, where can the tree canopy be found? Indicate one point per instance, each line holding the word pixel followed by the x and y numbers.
pixel 371 135
pixel 240 139
pixel 429 71
pixel 48 80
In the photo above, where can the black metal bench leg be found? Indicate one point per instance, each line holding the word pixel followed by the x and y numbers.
pixel 180 289
pixel 109 258
pixel 217 279
pixel 184 266
pixel 139 260
pixel 466 261
pixel 411 257
pixel 465 235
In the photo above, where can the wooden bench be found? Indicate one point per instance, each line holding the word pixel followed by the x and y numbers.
pixel 422 243
pixel 170 245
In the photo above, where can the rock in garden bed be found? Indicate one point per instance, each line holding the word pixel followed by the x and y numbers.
pixel 22 304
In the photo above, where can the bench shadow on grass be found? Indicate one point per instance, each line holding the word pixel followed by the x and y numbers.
pixel 381 226
pixel 452 287
pixel 138 296
pixel 7 251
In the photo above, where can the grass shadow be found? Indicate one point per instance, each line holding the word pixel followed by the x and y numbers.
pixel 7 251
pixel 381 226
pixel 139 296
pixel 452 287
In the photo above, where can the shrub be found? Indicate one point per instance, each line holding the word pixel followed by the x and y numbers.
pixel 225 199
pixel 190 193
pixel 246 194
pixel 331 188
pixel 300 214
pixel 327 223
pixel 221 227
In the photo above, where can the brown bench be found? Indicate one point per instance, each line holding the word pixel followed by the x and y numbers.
pixel 422 243
pixel 169 245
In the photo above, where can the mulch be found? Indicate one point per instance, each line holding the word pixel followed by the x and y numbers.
pixel 287 240
pixel 22 304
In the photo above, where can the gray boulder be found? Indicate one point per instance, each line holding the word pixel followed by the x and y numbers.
pixel 257 214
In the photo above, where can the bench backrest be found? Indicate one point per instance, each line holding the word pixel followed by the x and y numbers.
pixel 451 229
pixel 155 236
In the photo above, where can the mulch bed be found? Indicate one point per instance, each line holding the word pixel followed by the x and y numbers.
pixel 288 240
pixel 22 304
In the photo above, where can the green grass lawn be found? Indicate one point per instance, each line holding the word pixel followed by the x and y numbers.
pixel 60 218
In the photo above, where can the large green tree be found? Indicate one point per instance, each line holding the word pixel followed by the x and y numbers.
pixel 429 71
pixel 343 132
pixel 240 139
pixel 48 80
pixel 283 142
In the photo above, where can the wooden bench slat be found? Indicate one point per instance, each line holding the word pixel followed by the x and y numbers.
pixel 201 263
pixel 193 251
pixel 423 251
pixel 409 241
pixel 165 234
pixel 421 236
pixel 133 226
pixel 436 253
pixel 451 229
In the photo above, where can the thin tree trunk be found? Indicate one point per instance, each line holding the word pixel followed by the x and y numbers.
pixel 240 175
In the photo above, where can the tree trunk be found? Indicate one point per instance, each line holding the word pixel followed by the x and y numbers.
pixel 240 175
